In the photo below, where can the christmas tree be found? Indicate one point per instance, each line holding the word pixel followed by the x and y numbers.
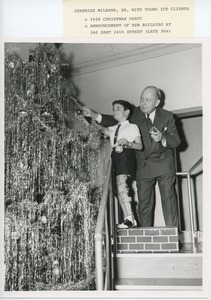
pixel 52 192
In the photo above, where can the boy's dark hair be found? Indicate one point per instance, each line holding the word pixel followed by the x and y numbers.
pixel 126 105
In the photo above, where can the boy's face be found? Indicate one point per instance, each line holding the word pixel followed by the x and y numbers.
pixel 119 113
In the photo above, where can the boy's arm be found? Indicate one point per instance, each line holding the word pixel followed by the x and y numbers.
pixel 103 120
pixel 107 120
pixel 136 144
pixel 87 112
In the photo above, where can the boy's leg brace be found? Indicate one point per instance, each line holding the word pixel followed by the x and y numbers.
pixel 123 195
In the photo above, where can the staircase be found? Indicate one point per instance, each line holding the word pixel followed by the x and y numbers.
pixel 145 259
pixel 149 259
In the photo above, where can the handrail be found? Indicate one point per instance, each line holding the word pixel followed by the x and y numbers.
pixel 192 206
pixel 191 168
pixel 195 165
pixel 99 230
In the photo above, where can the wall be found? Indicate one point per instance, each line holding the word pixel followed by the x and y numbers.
pixel 178 75
pixel 189 153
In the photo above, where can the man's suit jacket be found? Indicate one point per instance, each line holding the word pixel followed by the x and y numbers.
pixel 154 159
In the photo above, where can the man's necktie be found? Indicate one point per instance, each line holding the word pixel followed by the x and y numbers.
pixel 116 133
pixel 149 123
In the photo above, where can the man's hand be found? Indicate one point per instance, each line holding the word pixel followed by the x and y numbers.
pixel 156 135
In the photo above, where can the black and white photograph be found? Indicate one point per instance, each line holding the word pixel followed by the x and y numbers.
pixel 104 164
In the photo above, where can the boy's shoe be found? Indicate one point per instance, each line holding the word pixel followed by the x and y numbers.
pixel 127 224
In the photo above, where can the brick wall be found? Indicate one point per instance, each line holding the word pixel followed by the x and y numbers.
pixel 149 239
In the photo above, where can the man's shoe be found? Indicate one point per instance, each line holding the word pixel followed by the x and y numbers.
pixel 127 224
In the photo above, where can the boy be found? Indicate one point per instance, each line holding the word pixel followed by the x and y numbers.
pixel 125 138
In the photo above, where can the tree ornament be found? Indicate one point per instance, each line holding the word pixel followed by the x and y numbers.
pixel 56 271
pixel 15 235
pixel 23 113
pixel 44 219
pixel 55 263
pixel 11 65
pixel 46 114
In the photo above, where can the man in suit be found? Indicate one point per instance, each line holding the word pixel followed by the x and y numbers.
pixel 155 163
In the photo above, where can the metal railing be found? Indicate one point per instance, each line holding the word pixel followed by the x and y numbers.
pixel 192 206
pixel 103 235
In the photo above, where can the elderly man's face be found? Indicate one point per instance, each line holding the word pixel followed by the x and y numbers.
pixel 148 101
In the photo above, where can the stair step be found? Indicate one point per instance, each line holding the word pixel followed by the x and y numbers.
pixel 179 284
pixel 157 265
pixel 148 240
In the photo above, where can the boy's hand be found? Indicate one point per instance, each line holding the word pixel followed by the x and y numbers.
pixel 123 142
pixel 87 112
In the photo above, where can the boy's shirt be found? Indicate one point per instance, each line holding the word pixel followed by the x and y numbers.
pixel 127 130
